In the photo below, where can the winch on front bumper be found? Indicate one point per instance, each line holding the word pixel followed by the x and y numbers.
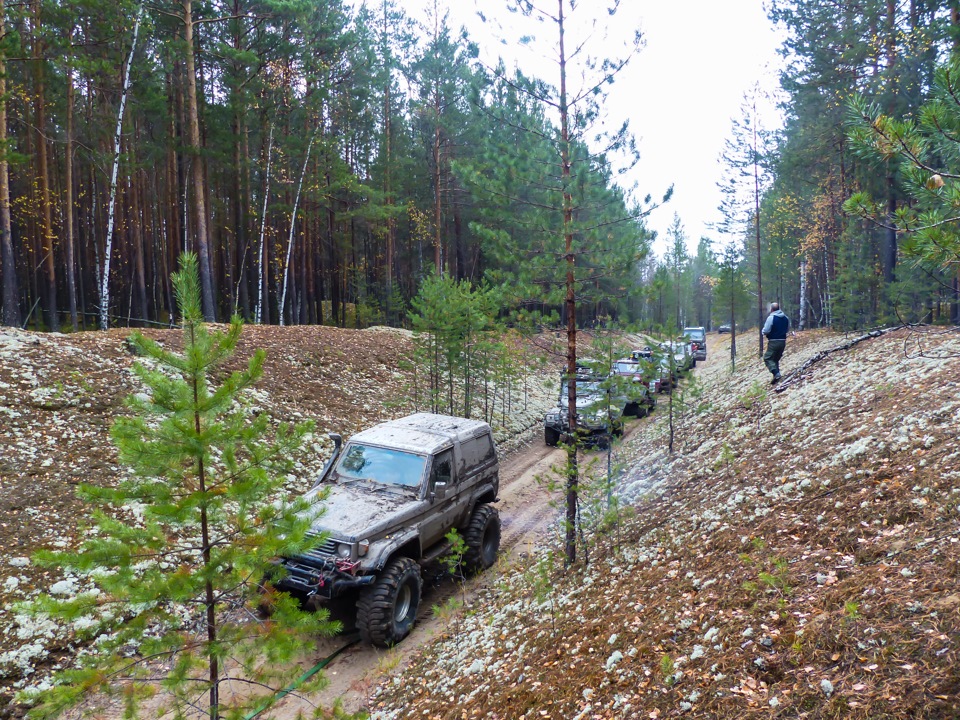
pixel 330 579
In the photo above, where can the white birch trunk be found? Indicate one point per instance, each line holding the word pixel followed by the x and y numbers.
pixel 802 320
pixel 258 315
pixel 829 300
pixel 111 212
pixel 293 224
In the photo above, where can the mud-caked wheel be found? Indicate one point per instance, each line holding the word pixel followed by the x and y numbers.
pixel 551 436
pixel 482 538
pixel 387 610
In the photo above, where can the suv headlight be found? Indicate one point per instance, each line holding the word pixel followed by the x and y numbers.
pixel 344 550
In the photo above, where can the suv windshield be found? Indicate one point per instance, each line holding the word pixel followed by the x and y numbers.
pixel 381 465
pixel 624 367
pixel 586 389
pixel 590 387
pixel 694 333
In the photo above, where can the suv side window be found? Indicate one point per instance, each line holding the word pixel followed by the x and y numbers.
pixel 442 471
pixel 477 451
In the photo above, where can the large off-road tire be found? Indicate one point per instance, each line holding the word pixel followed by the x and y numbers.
pixel 387 611
pixel 551 436
pixel 482 538
pixel 634 409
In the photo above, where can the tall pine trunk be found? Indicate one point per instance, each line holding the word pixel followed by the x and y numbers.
pixel 201 230
pixel 11 296
pixel 572 489
pixel 139 266
pixel 68 209
pixel 387 176
pixel 43 179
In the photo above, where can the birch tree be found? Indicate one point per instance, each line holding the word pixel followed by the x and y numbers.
pixel 262 248
pixel 115 167
pixel 293 224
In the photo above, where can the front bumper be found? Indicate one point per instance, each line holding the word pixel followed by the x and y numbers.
pixel 333 579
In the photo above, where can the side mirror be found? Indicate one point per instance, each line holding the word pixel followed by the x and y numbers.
pixel 439 491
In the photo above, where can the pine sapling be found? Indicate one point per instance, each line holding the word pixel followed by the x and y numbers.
pixel 179 548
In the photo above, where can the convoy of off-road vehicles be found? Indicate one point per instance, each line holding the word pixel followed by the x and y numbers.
pixel 392 494
pixel 604 397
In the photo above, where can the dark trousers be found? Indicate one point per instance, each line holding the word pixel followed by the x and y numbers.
pixel 771 357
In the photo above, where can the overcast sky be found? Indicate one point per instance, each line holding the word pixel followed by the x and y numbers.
pixel 679 93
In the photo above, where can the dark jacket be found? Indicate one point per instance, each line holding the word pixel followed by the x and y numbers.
pixel 777 326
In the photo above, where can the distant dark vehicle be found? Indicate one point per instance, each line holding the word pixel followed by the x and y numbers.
pixel 723 329
pixel 698 340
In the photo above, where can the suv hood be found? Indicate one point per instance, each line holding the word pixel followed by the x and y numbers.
pixel 593 402
pixel 358 510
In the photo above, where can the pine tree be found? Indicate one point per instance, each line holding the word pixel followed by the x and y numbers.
pixel 569 232
pixel 207 483
pixel 925 149
pixel 451 322
pixel 747 154
pixel 732 294
pixel 678 260
pixel 11 299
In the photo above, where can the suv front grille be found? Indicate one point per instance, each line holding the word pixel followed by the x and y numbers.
pixel 326 549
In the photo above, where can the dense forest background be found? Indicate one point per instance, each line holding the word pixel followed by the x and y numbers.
pixel 323 160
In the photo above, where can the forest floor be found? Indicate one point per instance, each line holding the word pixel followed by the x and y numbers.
pixel 796 556
pixel 59 395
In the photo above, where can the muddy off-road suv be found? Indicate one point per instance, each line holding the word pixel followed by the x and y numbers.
pixel 600 410
pixel 394 492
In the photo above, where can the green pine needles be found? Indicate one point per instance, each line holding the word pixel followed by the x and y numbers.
pixel 925 150
pixel 179 548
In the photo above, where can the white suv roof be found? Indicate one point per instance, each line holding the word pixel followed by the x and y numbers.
pixel 423 433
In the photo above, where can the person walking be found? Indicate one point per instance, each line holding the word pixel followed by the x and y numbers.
pixel 775 329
